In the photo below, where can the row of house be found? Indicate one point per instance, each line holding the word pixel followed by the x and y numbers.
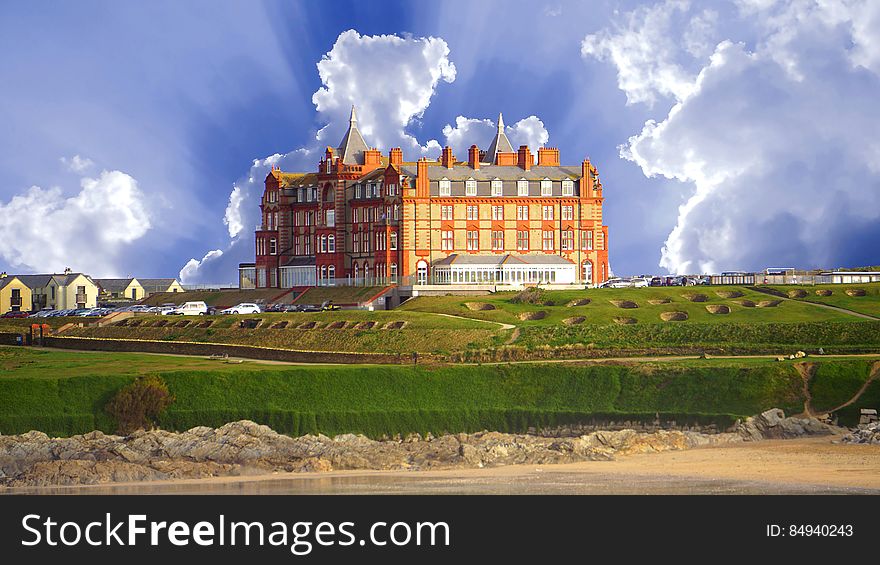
pixel 69 290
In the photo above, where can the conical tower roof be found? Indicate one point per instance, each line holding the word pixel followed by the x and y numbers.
pixel 500 144
pixel 351 148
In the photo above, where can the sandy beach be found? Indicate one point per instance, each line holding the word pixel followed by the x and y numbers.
pixel 809 465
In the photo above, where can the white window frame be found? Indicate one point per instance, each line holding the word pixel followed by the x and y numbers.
pixel 498 213
pixel 519 240
pixel 522 213
pixel 522 187
pixel 547 212
pixel 445 189
pixel 568 212
pixel 497 240
pixel 548 242
pixel 473 212
pixel 473 243
pixel 470 187
pixel 447 240
pixel 446 212
pixel 496 187
pixel 546 187
pixel 567 187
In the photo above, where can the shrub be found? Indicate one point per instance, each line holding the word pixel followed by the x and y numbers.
pixel 138 405
pixel 530 295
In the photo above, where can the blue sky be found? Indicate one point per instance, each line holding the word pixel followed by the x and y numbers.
pixel 730 134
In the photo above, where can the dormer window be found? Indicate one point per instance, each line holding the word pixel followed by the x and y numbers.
pixel 444 187
pixel 522 187
pixel 470 187
pixel 546 187
pixel 358 191
pixel 496 187
pixel 567 188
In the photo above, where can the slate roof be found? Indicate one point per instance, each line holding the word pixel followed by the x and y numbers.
pixel 114 285
pixel 351 148
pixel 500 143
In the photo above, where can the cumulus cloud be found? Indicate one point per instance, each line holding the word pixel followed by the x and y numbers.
pixel 353 73
pixel 778 141
pixel 42 230
pixel 193 267
pixel 646 52
pixel 77 164
pixel 469 131
pixel 232 218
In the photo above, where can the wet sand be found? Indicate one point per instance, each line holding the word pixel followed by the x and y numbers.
pixel 804 466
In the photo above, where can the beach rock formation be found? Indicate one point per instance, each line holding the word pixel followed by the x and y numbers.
pixel 868 433
pixel 772 424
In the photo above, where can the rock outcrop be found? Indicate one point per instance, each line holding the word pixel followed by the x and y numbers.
pixel 867 433
pixel 246 448
pixel 772 424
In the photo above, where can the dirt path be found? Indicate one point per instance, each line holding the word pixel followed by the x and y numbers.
pixel 502 324
pixel 807 371
pixel 875 372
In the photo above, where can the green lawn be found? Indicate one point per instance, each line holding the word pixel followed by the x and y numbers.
pixel 600 311
pixel 868 304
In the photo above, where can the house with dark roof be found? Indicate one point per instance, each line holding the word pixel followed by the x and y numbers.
pixel 15 295
pixel 64 291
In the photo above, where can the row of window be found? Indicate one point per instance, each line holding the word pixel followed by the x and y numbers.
pixel 374 190
pixel 380 270
pixel 522 187
pixel 309 217
pixel 548 240
pixel 360 243
pixel 522 212
pixel 375 214
pixel 267 246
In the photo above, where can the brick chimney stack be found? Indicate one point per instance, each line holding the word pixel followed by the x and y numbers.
pixel 548 157
pixel 395 157
pixel 447 159
pixel 474 157
pixel 422 182
pixel 587 178
pixel 524 158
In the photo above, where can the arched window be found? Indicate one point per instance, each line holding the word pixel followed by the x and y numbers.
pixel 393 272
pixel 366 270
pixel 357 271
pixel 422 272
pixel 394 241
pixel 323 273
pixel 587 272
pixel 331 273
pixel 331 243
pixel 323 244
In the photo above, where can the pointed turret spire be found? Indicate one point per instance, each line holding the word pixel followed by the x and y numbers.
pixel 352 146
pixel 500 144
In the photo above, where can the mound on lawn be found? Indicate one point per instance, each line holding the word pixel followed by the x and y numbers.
pixel 578 302
pixel 799 293
pixel 746 303
pixel 624 303
pixel 394 326
pixel 769 303
pixel 824 292
pixel 658 301
pixel 528 316
pixel 856 292
pixel 695 297
pixel 729 293
pixel 718 309
pixel 674 316
pixel 624 321
pixel 574 321
pixel 479 306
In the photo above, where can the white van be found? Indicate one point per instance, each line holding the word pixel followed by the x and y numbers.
pixel 191 309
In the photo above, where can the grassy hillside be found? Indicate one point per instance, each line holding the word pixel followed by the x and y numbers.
pixel 388 400
pixel 868 304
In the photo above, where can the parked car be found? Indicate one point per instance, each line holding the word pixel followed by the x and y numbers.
pixel 243 308
pixel 310 308
pixel 640 282
pixel 291 308
pixel 191 309
pixel 166 310
pixel 657 281
pixel 12 314
pixel 616 283
pixel 328 306
pixel 679 280
pixel 44 313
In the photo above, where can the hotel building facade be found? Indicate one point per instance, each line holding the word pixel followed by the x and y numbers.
pixel 497 216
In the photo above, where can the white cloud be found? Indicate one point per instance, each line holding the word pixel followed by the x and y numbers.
pixel 475 131
pixel 77 164
pixel 779 143
pixel 355 72
pixel 644 48
pixel 233 216
pixel 191 272
pixel 42 230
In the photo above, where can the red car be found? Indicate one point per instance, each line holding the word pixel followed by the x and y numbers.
pixel 12 314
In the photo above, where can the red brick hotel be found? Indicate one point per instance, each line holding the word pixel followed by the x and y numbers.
pixel 498 216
